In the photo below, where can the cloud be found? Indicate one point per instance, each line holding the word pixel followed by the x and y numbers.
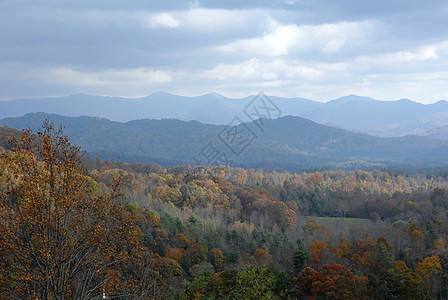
pixel 206 19
pixel 109 77
pixel 163 20
pixel 132 82
pixel 273 69
pixel 285 39
pixel 423 58
pixel 203 20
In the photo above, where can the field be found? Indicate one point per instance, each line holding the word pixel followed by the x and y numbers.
pixel 346 225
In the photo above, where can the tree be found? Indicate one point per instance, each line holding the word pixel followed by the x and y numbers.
pixel 333 281
pixel 305 280
pixel 343 249
pixel 217 259
pixel 411 285
pixel 262 256
pixel 384 286
pixel 316 250
pixel 254 283
pixel 205 285
pixel 57 239
pixel 300 258
pixel 429 267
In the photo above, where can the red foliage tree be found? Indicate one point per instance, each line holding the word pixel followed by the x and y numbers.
pixel 333 281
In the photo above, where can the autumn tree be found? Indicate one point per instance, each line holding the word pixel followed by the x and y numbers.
pixel 304 281
pixel 411 285
pixel 429 267
pixel 217 259
pixel 316 250
pixel 262 256
pixel 343 249
pixel 333 281
pixel 57 239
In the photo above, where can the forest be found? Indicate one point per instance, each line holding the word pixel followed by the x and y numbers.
pixel 74 227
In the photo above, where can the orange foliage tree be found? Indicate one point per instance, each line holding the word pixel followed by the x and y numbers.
pixel 343 249
pixel 57 239
pixel 316 250
pixel 262 256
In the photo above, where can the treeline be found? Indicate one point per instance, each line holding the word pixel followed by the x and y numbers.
pixel 139 231
pixel 391 196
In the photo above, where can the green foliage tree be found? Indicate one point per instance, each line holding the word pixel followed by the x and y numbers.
pixel 254 282
pixel 300 257
pixel 250 283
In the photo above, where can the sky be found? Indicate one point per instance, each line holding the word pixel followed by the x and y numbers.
pixel 315 49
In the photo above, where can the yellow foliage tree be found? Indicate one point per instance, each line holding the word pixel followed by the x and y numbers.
pixel 429 267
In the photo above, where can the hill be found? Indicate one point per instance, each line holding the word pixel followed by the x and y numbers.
pixel 290 143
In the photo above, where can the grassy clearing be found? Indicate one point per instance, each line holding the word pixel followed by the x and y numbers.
pixel 338 225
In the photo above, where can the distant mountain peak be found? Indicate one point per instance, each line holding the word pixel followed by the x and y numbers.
pixel 406 100
pixel 441 102
pixel 347 99
pixel 353 97
pixel 161 93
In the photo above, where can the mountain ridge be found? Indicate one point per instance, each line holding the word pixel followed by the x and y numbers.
pixel 351 112
pixel 294 143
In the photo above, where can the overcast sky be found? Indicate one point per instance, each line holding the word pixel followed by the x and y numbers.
pixel 315 49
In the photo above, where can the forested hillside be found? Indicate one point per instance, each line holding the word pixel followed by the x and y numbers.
pixel 288 143
pixel 203 232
